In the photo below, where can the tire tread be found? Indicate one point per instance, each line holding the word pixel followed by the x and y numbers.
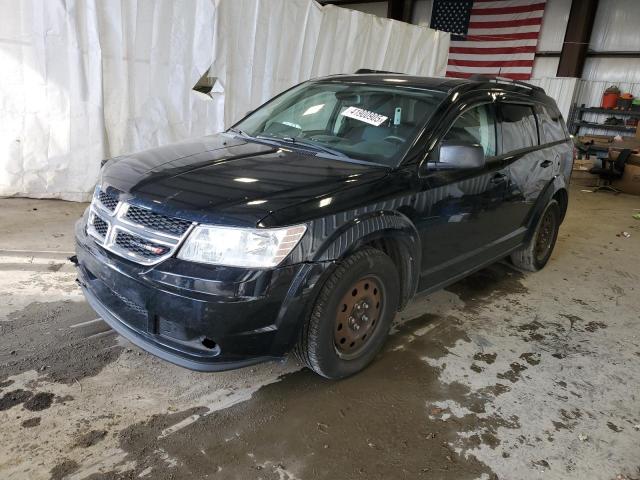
pixel 306 348
pixel 524 257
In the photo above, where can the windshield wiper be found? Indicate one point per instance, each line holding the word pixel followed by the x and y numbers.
pixel 322 148
pixel 304 143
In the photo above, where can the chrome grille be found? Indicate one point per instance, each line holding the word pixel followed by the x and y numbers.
pixel 156 221
pixel 107 200
pixel 135 233
pixel 100 226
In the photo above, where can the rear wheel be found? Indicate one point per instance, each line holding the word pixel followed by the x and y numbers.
pixel 535 254
pixel 352 315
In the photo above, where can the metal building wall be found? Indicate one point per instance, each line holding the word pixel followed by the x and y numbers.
pixel 615 29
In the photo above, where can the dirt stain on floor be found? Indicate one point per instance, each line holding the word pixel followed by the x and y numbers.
pixel 30 401
pixel 63 469
pixel 614 427
pixel 594 326
pixel 514 372
pixel 90 438
pixel 40 401
pixel 13 398
pixel 485 357
pixel 41 337
pixel 374 425
pixel 531 358
pixel 31 422
pixel 487 285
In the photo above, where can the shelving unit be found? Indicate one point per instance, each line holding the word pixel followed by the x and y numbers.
pixel 619 128
pixel 576 120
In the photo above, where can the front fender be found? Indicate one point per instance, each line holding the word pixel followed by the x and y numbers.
pixel 390 229
pixel 333 238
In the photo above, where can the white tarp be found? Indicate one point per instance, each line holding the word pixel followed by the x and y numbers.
pixel 282 42
pixel 84 80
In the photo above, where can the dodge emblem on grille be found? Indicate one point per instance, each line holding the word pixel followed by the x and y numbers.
pixel 149 248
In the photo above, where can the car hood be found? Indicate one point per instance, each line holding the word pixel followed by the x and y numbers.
pixel 224 179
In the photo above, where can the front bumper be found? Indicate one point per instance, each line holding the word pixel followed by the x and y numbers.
pixel 204 318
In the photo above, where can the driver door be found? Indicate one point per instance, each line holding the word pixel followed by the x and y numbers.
pixel 460 221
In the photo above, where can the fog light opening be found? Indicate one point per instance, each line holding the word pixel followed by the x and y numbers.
pixel 208 343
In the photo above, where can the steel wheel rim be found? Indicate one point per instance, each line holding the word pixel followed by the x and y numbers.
pixel 358 316
pixel 545 236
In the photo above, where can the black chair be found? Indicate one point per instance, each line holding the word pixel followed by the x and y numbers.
pixel 611 170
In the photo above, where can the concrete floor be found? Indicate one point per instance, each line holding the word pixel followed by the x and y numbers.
pixel 503 375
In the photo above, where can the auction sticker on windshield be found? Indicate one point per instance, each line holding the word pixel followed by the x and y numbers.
pixel 366 116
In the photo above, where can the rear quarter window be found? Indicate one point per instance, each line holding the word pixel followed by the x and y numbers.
pixel 519 127
pixel 553 128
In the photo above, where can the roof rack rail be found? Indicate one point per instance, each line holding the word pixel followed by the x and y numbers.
pixel 507 81
pixel 368 70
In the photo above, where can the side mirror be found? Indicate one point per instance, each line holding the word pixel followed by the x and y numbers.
pixel 460 155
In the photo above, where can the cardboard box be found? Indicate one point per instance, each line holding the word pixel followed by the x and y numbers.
pixel 583 178
pixel 580 174
pixel 582 164
pixel 631 143
pixel 630 181
pixel 604 141
pixel 596 138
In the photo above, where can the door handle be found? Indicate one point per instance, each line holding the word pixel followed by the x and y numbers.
pixel 546 163
pixel 498 178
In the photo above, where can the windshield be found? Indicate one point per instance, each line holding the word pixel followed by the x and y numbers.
pixel 364 122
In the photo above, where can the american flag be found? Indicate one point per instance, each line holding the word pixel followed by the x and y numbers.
pixel 490 37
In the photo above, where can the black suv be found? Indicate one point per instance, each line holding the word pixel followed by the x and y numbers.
pixel 312 221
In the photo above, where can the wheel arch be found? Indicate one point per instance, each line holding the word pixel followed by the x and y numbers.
pixel 562 197
pixel 391 232
pixel 555 189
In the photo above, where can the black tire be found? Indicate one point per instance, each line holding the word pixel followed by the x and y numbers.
pixel 535 254
pixel 320 347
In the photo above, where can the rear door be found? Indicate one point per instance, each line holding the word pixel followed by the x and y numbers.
pixel 531 165
pixel 554 134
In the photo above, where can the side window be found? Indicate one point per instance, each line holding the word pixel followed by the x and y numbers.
pixel 519 128
pixel 552 125
pixel 476 125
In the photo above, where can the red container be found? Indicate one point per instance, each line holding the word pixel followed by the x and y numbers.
pixel 610 97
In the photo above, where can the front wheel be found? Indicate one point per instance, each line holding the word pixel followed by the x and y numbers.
pixel 535 254
pixel 352 315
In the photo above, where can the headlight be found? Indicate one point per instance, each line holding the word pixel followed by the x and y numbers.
pixel 240 247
